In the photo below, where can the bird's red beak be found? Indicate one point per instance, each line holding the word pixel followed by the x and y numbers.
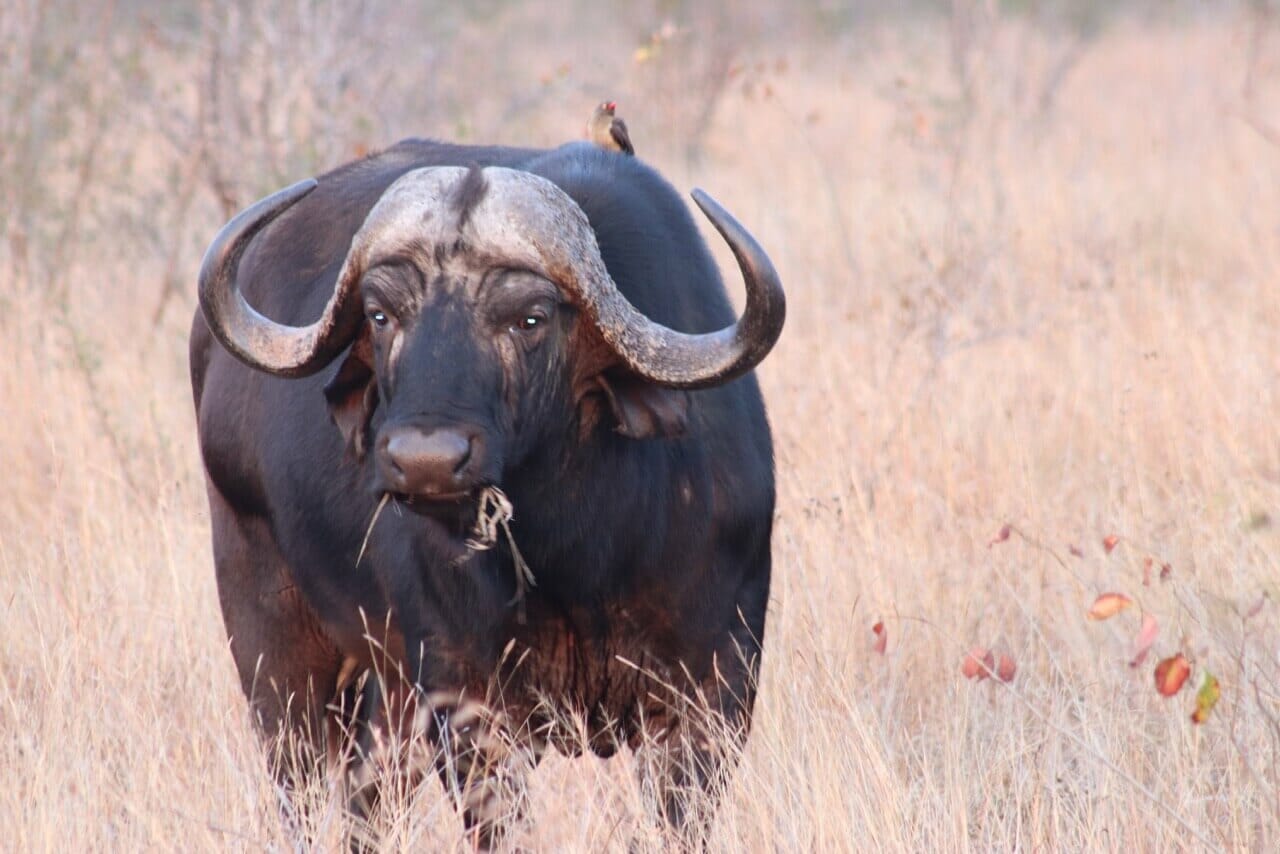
pixel 611 105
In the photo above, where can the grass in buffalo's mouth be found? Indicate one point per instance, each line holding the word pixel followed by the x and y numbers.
pixel 495 513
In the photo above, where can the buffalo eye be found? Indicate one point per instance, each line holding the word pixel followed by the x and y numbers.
pixel 531 321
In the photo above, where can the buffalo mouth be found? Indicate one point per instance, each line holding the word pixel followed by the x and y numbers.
pixel 450 520
pixel 439 504
pixel 471 521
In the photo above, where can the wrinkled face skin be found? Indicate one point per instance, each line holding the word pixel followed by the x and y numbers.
pixel 468 365
pixel 471 368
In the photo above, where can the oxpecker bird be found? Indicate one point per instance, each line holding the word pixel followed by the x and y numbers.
pixel 608 131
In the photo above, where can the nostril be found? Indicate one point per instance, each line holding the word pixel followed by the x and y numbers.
pixel 465 457
pixel 393 451
pixel 442 449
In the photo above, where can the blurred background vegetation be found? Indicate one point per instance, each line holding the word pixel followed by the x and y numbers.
pixel 227 101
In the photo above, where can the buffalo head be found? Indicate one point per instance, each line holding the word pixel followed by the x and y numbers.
pixel 476 313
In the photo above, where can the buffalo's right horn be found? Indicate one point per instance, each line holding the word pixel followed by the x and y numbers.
pixel 290 351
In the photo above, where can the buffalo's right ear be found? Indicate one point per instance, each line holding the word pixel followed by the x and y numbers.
pixel 353 394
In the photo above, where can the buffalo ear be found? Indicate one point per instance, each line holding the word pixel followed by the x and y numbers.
pixel 644 410
pixel 353 394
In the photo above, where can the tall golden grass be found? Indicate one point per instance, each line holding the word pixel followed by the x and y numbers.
pixel 1034 279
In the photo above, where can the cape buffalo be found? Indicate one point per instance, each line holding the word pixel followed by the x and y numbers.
pixel 527 361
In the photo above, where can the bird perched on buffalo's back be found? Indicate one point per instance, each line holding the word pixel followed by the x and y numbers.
pixel 608 130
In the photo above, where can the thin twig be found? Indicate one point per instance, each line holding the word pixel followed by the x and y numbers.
pixel 1049 550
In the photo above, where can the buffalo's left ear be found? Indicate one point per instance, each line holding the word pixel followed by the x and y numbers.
pixel 353 394
pixel 644 410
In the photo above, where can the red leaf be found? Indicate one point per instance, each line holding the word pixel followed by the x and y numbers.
pixel 1108 605
pixel 1165 571
pixel 1146 571
pixel 1006 669
pixel 1001 536
pixel 1146 637
pixel 978 663
pixel 1109 542
pixel 1171 674
pixel 1075 550
pixel 882 638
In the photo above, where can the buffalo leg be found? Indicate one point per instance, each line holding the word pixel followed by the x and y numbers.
pixel 409 732
pixel 683 774
pixel 479 764
pixel 385 752
pixel 693 750
pixel 288 668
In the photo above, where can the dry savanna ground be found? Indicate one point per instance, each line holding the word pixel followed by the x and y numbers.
pixel 1033 265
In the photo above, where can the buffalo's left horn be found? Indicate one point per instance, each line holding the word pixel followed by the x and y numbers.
pixel 291 351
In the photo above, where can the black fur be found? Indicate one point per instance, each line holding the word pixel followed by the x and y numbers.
pixel 468 195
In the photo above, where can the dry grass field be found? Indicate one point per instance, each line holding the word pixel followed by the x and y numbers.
pixel 1033 267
